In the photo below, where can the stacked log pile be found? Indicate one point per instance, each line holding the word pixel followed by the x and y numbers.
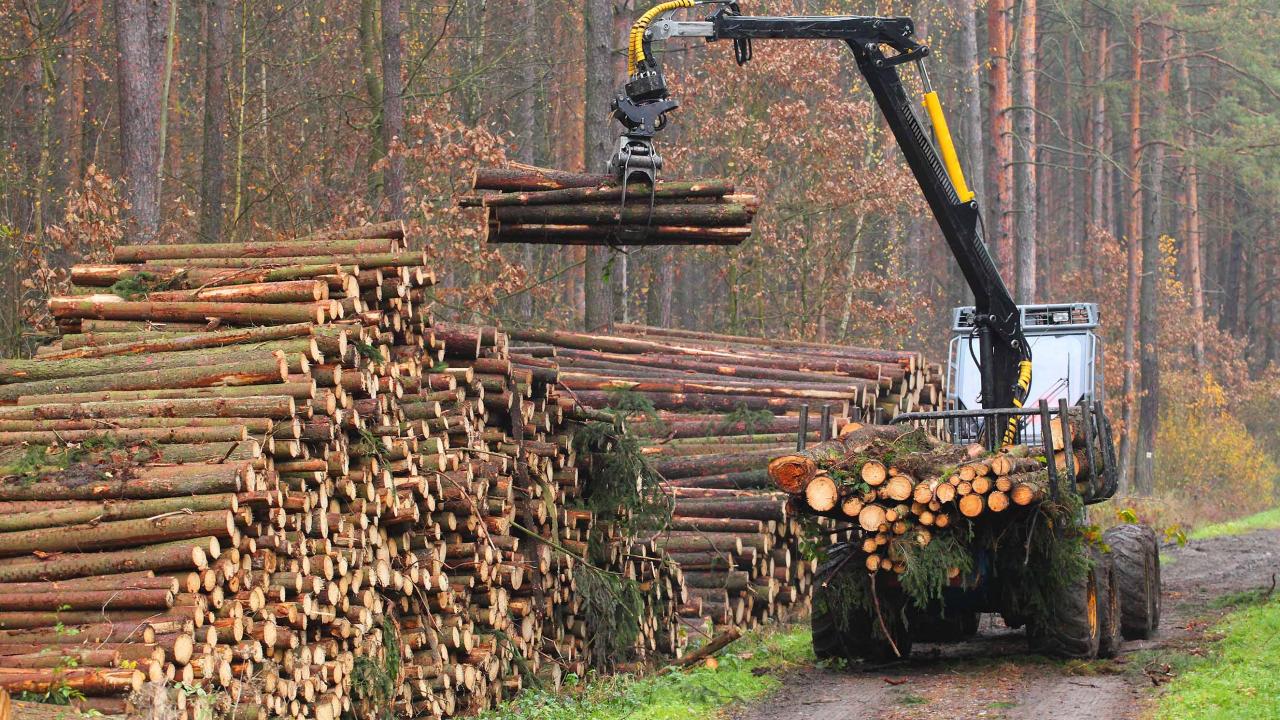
pixel 898 489
pixel 541 206
pixel 265 469
pixel 723 406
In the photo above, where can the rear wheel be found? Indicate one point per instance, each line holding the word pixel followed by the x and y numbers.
pixel 842 630
pixel 1136 554
pixel 1108 608
pixel 1072 628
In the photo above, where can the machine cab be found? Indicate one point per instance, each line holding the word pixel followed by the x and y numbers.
pixel 1066 363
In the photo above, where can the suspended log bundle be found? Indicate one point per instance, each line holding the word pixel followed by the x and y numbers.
pixel 899 489
pixel 723 406
pixel 541 206
pixel 264 469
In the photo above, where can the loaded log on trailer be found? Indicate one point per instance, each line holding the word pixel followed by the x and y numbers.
pixel 931 534
pixel 265 470
pixel 722 407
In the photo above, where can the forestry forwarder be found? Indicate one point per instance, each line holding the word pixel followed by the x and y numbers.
pixel 1122 586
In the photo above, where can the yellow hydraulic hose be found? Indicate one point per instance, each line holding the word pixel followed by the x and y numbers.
pixel 635 48
pixel 1024 387
pixel 948 148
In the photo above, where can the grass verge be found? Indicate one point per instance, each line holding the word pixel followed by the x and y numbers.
pixel 1238 678
pixel 745 672
pixel 1265 520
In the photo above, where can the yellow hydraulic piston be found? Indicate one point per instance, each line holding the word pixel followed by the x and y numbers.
pixel 942 134
pixel 1024 387
pixel 635 47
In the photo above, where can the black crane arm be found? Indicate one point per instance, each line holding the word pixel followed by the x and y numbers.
pixel 642 108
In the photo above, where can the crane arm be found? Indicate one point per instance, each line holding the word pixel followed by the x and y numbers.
pixel 879 45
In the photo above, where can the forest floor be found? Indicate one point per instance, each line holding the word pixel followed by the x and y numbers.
pixel 993 676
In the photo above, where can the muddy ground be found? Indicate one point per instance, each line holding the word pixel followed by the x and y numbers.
pixel 992 676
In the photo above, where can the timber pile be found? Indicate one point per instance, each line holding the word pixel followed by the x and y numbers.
pixel 900 490
pixel 542 206
pixel 724 406
pixel 265 469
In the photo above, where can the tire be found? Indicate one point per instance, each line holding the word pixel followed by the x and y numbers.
pixel 1072 629
pixel 949 627
pixel 1109 637
pixel 858 635
pixel 1136 555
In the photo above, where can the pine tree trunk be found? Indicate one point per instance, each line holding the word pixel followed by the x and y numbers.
pixel 369 59
pixel 1098 121
pixel 393 106
pixel 86 14
pixel 971 89
pixel 598 137
pixel 526 131
pixel 1152 279
pixel 212 162
pixel 139 29
pixel 1001 170
pixel 1025 169
pixel 1133 237
pixel 1195 277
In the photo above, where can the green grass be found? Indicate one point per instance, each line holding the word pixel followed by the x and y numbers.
pixel 745 672
pixel 1265 520
pixel 1239 679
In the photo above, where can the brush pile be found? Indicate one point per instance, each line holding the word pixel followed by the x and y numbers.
pixel 263 469
pixel 711 411
pixel 541 206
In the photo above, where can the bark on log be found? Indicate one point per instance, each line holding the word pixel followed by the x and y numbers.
pixel 146 483
pixel 113 510
pixel 532 233
pixel 311 265
pixel 182 555
pixel 169 342
pixel 295 248
pixel 263 406
pixel 124 533
pixel 297 390
pixel 273 368
pixel 88 681
pixel 527 178
pixel 18 371
pixel 101 600
pixel 662 190
pixel 234 313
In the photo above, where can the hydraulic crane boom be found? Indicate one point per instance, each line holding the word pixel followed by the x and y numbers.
pixel 879 45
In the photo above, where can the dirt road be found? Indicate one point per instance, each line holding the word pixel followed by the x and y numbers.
pixel 992 677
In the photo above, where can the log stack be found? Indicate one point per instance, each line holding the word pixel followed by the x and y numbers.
pixel 265 469
pixel 722 407
pixel 542 206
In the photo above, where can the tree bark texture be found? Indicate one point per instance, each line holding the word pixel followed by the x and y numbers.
pixel 217 61
pixel 1001 170
pixel 1133 238
pixel 1025 168
pixel 393 106
pixel 140 27
pixel 1152 279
